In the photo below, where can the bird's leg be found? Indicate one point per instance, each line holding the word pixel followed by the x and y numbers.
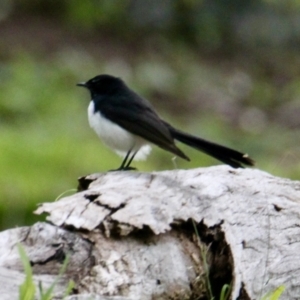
pixel 127 167
pixel 124 160
pixel 124 166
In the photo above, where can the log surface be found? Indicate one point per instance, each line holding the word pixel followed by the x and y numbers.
pixel 135 238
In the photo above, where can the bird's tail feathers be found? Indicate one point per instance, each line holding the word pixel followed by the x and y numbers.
pixel 228 156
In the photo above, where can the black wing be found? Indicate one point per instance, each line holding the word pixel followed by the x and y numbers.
pixel 137 116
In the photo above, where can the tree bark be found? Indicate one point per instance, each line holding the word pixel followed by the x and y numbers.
pixel 134 235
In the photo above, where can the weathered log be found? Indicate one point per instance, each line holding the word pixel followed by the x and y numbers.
pixel 142 236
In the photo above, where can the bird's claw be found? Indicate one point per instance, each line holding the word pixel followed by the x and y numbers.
pixel 124 169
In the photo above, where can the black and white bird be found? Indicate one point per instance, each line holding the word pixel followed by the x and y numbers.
pixel 129 125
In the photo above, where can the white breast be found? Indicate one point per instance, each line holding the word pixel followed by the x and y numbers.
pixel 115 137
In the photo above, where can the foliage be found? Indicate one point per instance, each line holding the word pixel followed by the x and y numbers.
pixel 225 292
pixel 211 25
pixel 28 288
pixel 275 295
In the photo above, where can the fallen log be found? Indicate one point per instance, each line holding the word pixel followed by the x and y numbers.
pixel 181 234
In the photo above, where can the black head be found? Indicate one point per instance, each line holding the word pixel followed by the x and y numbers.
pixel 102 84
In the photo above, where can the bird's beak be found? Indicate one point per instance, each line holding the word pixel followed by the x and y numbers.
pixel 82 84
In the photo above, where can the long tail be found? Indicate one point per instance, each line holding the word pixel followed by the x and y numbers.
pixel 226 155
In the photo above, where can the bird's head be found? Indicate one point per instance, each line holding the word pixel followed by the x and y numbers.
pixel 102 84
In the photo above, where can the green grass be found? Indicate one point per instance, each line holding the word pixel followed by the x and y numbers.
pixel 28 289
pixel 275 295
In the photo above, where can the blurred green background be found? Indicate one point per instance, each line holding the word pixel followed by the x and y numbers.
pixel 228 71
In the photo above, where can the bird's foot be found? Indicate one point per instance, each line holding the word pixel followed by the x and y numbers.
pixel 123 169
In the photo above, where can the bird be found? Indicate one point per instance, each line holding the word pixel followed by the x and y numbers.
pixel 129 124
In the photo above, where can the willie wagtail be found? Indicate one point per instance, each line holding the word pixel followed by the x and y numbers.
pixel 128 123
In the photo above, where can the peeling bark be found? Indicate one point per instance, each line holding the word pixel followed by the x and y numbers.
pixel 142 236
